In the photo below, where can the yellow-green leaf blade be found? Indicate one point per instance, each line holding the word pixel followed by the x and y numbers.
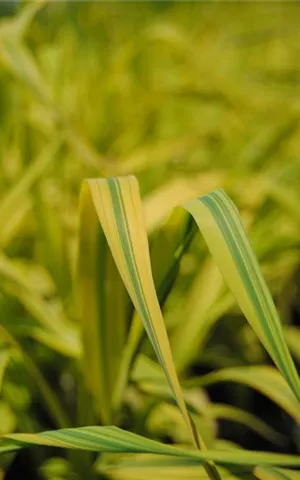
pixel 116 440
pixel 221 226
pixel 102 309
pixel 118 205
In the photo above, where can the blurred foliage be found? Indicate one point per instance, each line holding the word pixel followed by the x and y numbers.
pixel 187 96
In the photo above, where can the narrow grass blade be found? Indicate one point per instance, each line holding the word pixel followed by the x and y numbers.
pixel 103 309
pixel 220 224
pixel 116 440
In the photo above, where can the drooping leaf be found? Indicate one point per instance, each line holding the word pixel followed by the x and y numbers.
pixel 221 226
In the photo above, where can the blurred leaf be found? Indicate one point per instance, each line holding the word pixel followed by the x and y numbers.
pixel 200 314
pixel 48 395
pixel 146 157
pixel 150 381
pixel 4 359
pixel 266 380
pixel 17 26
pixel 16 56
pixel 149 466
pixel 254 423
pixel 269 473
pixel 263 148
pixel 8 419
pixel 14 282
pixel 292 336
pixel 14 204
pixel 166 420
pixel 158 204
pixel 53 244
pixel 19 61
pixel 69 346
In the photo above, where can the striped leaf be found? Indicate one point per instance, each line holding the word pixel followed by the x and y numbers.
pixel 103 303
pixel 222 229
pixel 167 247
pixel 116 440
pixel 119 208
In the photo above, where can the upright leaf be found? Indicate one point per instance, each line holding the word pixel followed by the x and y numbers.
pixel 103 303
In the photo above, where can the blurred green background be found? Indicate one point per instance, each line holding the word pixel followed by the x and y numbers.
pixel 189 97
